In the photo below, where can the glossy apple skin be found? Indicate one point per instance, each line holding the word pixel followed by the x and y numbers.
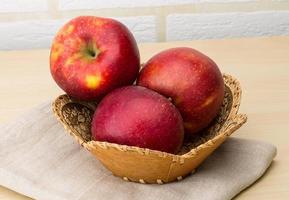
pixel 91 56
pixel 191 79
pixel 137 116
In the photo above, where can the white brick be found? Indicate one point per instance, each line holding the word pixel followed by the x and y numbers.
pixel 223 25
pixel 39 34
pixel 225 1
pixel 28 34
pixel 23 6
pixel 142 27
pixel 97 4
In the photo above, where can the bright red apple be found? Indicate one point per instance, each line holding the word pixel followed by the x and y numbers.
pixel 137 116
pixel 191 79
pixel 91 56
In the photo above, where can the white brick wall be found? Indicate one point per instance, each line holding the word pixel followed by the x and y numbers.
pixel 28 34
pixel 97 4
pixel 144 28
pixel 39 33
pixel 26 24
pixel 226 1
pixel 223 25
pixel 7 6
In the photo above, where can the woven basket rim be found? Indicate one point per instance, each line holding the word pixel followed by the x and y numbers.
pixel 236 121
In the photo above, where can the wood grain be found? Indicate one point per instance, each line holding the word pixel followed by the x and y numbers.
pixel 260 64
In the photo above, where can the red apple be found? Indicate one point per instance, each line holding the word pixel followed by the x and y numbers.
pixel 137 116
pixel 91 56
pixel 191 79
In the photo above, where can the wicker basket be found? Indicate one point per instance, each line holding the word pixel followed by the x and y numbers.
pixel 145 165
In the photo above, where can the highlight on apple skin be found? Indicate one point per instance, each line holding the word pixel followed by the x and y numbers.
pixel 137 116
pixel 90 56
pixel 191 79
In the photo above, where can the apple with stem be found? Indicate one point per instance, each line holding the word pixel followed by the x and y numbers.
pixel 90 56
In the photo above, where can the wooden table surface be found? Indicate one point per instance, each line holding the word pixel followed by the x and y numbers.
pixel 261 65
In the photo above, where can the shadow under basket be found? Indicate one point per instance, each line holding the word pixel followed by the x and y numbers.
pixel 145 165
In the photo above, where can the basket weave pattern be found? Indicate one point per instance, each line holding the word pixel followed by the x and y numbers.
pixel 145 165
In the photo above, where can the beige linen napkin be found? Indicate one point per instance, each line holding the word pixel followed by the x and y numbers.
pixel 40 160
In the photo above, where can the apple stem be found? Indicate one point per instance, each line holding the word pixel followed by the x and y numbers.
pixel 92 50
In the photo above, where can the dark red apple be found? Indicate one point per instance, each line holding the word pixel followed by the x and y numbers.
pixel 137 116
pixel 191 79
pixel 91 56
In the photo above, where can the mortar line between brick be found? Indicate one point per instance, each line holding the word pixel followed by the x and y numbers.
pixel 53 8
pixel 161 28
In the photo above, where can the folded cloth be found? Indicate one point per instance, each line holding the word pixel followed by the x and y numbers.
pixel 40 160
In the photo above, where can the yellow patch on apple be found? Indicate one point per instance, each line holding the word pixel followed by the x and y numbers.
pixel 92 81
pixel 98 23
pixel 208 101
pixel 57 50
pixel 68 30
pixel 72 59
